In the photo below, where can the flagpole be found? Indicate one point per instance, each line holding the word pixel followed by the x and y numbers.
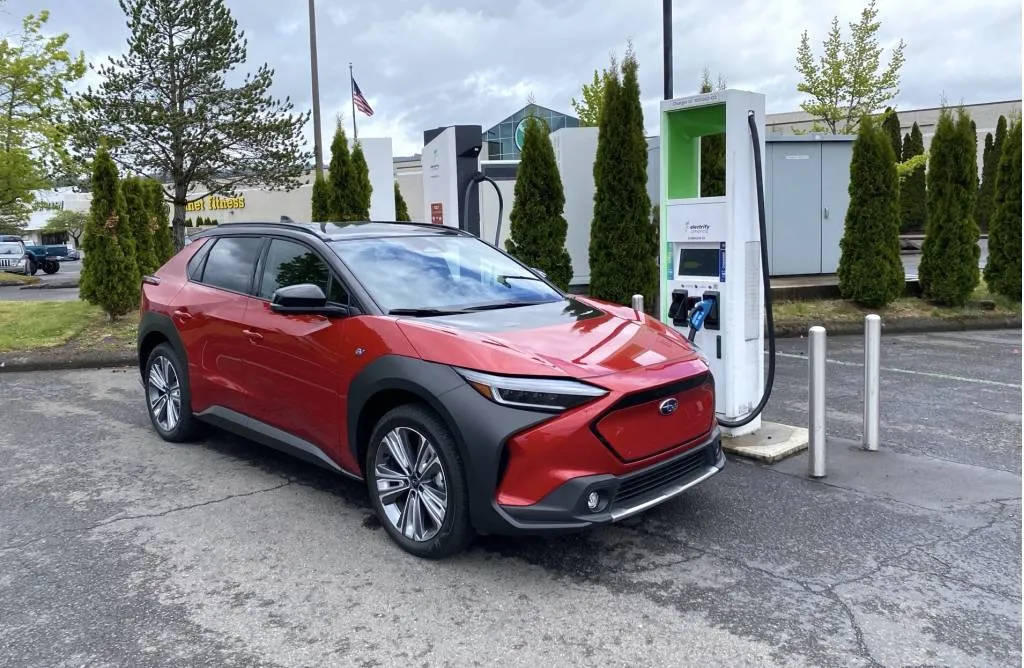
pixel 352 94
pixel 318 147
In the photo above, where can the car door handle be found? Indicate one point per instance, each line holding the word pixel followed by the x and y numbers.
pixel 182 315
pixel 253 336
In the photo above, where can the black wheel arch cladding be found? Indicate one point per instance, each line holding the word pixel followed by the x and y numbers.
pixel 479 427
pixel 156 328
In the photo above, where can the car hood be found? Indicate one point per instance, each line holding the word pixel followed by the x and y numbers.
pixel 575 337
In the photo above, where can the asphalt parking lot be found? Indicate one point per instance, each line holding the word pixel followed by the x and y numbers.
pixel 55 286
pixel 119 549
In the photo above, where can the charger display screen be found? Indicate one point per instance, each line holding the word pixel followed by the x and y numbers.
pixel 699 262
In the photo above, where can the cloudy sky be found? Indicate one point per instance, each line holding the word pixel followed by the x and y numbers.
pixel 424 63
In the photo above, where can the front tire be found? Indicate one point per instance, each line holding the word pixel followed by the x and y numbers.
pixel 167 396
pixel 417 485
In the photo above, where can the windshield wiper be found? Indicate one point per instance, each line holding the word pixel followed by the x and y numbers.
pixel 424 312
pixel 491 307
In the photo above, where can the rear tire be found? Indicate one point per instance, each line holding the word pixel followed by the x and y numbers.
pixel 417 483
pixel 168 399
pixel 50 267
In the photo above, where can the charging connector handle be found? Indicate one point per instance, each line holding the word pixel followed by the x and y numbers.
pixel 697 315
pixel 770 378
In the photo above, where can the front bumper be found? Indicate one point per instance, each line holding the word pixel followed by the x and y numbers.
pixel 622 496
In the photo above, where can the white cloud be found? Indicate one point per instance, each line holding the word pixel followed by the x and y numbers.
pixel 424 64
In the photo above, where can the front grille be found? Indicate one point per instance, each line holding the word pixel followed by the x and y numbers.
pixel 660 476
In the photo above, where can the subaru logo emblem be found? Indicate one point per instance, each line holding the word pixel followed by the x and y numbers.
pixel 668 407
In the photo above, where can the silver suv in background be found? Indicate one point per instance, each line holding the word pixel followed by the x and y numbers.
pixel 13 258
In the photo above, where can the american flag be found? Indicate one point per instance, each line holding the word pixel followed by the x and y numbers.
pixel 360 101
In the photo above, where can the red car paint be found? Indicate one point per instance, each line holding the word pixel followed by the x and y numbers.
pixel 294 373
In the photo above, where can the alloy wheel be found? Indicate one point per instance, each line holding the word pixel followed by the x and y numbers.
pixel 411 484
pixel 164 394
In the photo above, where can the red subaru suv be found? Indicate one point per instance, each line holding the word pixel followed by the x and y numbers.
pixel 469 393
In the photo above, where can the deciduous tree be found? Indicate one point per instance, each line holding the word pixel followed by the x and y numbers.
pixel 69 222
pixel 588 110
pixel 174 106
pixel 35 68
pixel 848 82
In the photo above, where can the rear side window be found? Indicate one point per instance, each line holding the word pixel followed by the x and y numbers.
pixel 291 263
pixel 231 263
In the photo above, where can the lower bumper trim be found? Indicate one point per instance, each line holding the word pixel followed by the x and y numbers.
pixel 565 509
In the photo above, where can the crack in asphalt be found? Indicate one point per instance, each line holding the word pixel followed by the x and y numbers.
pixel 830 591
pixel 125 518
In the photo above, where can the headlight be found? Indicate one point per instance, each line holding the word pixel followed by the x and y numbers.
pixel 545 394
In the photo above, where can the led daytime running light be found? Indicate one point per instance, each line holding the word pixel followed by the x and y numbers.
pixel 549 394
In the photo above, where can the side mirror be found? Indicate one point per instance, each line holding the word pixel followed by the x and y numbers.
pixel 302 295
pixel 538 272
pixel 304 299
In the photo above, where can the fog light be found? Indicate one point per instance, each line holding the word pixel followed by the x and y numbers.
pixel 593 501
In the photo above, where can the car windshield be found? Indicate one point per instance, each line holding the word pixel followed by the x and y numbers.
pixel 442 273
pixel 11 248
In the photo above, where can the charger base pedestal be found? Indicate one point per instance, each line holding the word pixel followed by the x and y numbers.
pixel 771 443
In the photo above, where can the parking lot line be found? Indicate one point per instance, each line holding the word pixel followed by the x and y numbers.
pixel 930 374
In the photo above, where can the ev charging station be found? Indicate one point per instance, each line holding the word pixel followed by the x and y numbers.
pixel 714 279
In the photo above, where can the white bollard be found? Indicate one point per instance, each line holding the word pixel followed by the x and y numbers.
pixel 872 355
pixel 638 303
pixel 816 401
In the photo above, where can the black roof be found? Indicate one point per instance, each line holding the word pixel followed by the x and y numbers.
pixel 340 231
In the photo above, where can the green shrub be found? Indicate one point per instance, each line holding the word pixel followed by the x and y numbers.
pixel 160 222
pixel 110 277
pixel 136 199
pixel 537 226
pixel 401 208
pixel 362 190
pixel 623 244
pixel 1003 269
pixel 321 199
pixel 914 189
pixel 948 272
pixel 870 268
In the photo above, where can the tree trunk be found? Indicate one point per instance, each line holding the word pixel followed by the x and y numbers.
pixel 179 217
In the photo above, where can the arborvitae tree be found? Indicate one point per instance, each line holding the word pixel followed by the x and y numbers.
pixel 1003 269
pixel 401 208
pixel 362 190
pixel 160 223
pixel 340 177
pixel 623 245
pixel 537 228
pixel 321 200
pixel 948 272
pixel 989 165
pixel 110 277
pixel 870 269
pixel 891 126
pixel 913 190
pixel 137 200
pixel 712 154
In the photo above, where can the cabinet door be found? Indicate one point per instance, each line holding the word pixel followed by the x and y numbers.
pixel 796 208
pixel 835 198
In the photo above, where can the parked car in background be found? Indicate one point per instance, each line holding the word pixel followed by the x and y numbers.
pixel 467 392
pixel 47 258
pixel 13 256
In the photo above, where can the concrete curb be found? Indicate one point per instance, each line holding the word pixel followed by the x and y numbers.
pixel 71 361
pixel 784 330
pixel 13 284
pixel 49 286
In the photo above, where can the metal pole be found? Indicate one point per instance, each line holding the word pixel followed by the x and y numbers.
pixel 318 147
pixel 352 94
pixel 816 401
pixel 872 354
pixel 666 30
pixel 638 303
